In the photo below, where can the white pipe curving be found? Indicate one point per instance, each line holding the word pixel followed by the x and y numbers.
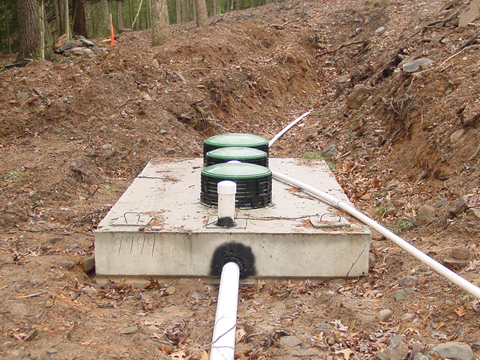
pixel 223 340
pixel 288 127
pixel 427 260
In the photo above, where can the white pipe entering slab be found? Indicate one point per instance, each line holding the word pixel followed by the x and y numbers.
pixel 427 260
pixel 223 340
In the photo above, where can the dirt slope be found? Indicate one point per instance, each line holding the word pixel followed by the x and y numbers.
pixel 75 132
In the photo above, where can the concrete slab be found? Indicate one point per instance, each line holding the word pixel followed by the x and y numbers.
pixel 159 228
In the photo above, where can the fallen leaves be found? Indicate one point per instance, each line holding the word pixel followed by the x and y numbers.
pixel 347 353
pixel 461 311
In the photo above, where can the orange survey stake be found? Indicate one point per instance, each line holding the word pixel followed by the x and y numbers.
pixel 112 35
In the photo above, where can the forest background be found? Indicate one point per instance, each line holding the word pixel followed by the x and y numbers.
pixel 91 18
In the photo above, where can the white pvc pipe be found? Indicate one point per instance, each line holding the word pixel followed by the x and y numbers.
pixel 223 340
pixel 427 260
pixel 226 190
pixel 288 127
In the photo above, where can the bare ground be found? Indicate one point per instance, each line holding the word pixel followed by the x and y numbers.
pixel 75 131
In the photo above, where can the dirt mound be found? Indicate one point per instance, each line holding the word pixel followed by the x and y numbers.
pixel 75 132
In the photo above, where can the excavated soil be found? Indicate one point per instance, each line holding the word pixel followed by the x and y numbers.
pixel 75 131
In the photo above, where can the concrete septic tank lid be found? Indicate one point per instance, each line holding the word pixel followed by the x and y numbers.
pixel 236 171
pixel 236 153
pixel 159 228
pixel 237 140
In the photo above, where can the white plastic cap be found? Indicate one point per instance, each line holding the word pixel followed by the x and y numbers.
pixel 226 187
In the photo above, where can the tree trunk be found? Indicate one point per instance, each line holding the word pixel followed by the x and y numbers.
pixel 104 28
pixel 29 20
pixel 136 16
pixel 41 13
pixel 120 14
pixel 185 10
pixel 160 25
pixel 216 7
pixel 47 37
pixel 148 9
pixel 79 23
pixel 178 11
pixel 60 16
pixel 67 20
pixel 201 11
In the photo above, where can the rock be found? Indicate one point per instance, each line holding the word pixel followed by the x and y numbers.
pixel 170 290
pixel 308 353
pixel 329 151
pixel 341 83
pixel 358 96
pixel 169 151
pixel 453 264
pixel 408 281
pixel 366 197
pixel 322 329
pixel 470 14
pixel 456 136
pixel 134 149
pixel 453 350
pixel 147 97
pixel 421 356
pixel 390 211
pixel 22 95
pixel 407 316
pixel 129 330
pixel 380 30
pixel 75 51
pixel 459 207
pixel 84 41
pixel 66 264
pixel 54 240
pixel 473 213
pixel 62 40
pixel 441 202
pixel 396 350
pixel 460 253
pixel 416 65
pixel 290 341
pixel 7 345
pixel 69 45
pixel 393 184
pixel 384 315
pixel 425 214
pixel 89 264
pixel 15 353
pixel 108 150
pixel 416 349
pixel 52 350
pixel 402 293
pixel 249 329
pixel 377 236
pixel 74 246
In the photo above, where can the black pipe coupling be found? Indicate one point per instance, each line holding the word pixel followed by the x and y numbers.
pixel 233 252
